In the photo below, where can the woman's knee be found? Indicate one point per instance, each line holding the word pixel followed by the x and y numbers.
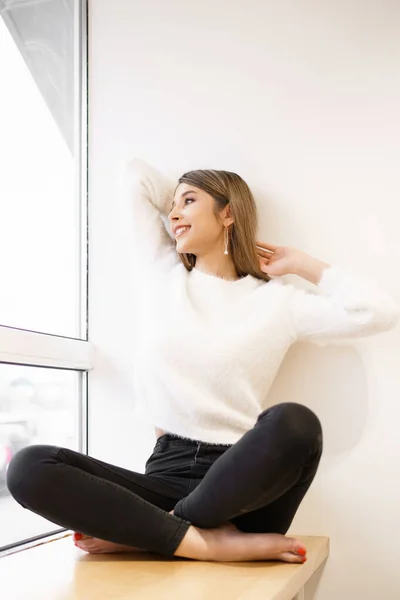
pixel 295 418
pixel 23 468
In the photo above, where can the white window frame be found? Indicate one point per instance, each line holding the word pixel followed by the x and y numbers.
pixel 36 349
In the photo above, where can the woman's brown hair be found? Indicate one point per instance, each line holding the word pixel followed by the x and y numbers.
pixel 227 187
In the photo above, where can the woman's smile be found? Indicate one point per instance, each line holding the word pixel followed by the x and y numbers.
pixel 182 230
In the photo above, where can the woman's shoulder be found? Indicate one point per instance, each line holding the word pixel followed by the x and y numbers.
pixel 284 290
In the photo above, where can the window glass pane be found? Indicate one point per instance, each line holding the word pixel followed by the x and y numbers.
pixel 39 219
pixel 37 406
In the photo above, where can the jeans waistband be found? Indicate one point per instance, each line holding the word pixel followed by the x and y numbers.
pixel 188 441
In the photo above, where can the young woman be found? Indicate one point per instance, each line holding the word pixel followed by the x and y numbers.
pixel 226 476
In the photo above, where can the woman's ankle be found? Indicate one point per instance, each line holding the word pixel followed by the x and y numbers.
pixel 197 544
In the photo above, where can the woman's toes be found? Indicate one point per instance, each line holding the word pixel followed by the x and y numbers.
pixel 82 541
pixel 297 547
pixel 294 552
pixel 292 558
pixel 79 537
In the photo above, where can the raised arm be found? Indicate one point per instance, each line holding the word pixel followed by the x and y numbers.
pixel 345 305
pixel 149 194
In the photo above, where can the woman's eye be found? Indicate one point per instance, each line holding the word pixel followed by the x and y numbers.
pixel 186 199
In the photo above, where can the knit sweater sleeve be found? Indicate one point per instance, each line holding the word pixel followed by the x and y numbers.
pixel 149 194
pixel 346 306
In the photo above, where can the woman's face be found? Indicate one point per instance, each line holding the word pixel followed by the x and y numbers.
pixel 194 208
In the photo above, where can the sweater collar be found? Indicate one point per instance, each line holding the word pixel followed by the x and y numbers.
pixel 246 281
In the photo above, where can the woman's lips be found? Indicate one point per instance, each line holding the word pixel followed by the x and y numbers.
pixel 182 232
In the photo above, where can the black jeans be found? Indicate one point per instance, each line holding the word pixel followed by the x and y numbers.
pixel 257 483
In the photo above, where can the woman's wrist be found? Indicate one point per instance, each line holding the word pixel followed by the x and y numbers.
pixel 310 268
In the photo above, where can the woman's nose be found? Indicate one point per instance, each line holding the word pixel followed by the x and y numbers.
pixel 174 215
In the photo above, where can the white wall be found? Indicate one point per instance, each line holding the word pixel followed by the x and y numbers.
pixel 302 99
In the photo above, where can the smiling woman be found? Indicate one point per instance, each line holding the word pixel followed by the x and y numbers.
pixel 213 332
pixel 219 209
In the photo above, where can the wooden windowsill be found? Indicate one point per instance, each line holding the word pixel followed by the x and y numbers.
pixel 58 570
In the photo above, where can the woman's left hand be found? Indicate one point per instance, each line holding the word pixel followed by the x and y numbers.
pixel 283 260
pixel 279 260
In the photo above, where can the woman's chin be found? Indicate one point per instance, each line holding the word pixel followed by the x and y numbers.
pixel 183 249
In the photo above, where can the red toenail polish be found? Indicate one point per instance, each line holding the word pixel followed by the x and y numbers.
pixel 302 551
pixel 304 560
pixel 78 536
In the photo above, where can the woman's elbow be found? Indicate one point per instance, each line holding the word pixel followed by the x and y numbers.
pixel 386 319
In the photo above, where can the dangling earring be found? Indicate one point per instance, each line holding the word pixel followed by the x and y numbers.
pixel 226 240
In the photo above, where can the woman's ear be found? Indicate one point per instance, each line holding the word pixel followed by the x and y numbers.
pixel 227 216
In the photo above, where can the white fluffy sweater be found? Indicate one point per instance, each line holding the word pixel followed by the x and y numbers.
pixel 210 348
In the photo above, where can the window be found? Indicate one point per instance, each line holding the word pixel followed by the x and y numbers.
pixel 44 350
pixel 37 405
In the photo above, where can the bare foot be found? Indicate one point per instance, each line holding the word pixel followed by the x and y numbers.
pixel 96 546
pixel 233 544
pixel 227 543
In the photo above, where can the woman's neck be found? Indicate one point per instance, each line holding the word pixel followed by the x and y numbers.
pixel 221 268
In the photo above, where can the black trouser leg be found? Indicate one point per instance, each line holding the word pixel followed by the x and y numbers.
pixel 266 473
pixel 98 499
